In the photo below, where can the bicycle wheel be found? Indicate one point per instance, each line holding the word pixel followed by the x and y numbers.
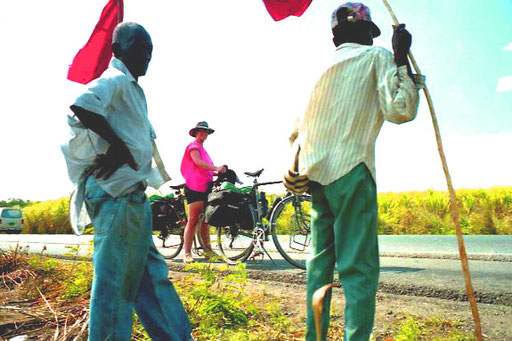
pixel 200 248
pixel 290 224
pixel 175 243
pixel 236 243
pixel 171 234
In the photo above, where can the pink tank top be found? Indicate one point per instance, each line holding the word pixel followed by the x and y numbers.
pixel 196 178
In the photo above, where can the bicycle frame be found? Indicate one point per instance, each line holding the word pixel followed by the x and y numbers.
pixel 267 221
pixel 262 230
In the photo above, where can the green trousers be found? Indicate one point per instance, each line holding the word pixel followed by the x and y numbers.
pixel 344 235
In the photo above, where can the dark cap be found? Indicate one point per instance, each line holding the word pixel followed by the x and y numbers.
pixel 200 125
pixel 352 12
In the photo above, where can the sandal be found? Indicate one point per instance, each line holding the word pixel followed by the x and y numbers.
pixel 187 258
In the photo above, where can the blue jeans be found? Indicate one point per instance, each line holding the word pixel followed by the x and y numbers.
pixel 129 272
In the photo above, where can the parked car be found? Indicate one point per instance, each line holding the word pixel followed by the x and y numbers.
pixel 11 220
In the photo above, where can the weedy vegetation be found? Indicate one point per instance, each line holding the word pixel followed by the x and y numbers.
pixel 416 328
pixel 47 217
pixel 49 299
pixel 482 212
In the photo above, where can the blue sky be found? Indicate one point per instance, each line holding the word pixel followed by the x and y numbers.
pixel 463 53
pixel 227 62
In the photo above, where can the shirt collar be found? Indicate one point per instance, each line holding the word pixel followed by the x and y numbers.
pixel 118 64
pixel 348 45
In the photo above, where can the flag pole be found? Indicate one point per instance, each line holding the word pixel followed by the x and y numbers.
pixel 119 19
pixel 453 200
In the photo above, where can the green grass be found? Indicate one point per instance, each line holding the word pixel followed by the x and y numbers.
pixel 482 211
pixel 415 328
pixel 47 217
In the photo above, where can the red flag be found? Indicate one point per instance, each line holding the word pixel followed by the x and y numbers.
pixel 90 62
pixel 280 9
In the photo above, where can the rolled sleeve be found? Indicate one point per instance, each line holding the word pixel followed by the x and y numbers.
pixel 398 95
pixel 152 133
pixel 98 96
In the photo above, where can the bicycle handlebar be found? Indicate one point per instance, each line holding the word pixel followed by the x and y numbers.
pixel 267 183
pixel 177 187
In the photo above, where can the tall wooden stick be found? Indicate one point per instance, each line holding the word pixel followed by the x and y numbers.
pixel 453 201
pixel 118 11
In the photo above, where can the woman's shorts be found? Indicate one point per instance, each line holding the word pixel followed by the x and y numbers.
pixel 193 196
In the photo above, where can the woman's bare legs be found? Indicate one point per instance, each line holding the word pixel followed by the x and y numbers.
pixel 194 211
pixel 205 236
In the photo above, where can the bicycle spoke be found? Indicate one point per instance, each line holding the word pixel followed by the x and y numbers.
pixel 290 223
pixel 234 243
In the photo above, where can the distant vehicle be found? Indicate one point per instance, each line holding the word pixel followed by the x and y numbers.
pixel 11 220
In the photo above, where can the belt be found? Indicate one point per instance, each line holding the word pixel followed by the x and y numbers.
pixel 141 185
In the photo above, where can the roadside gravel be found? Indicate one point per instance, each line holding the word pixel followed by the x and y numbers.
pixel 436 255
pixel 299 278
pixel 392 309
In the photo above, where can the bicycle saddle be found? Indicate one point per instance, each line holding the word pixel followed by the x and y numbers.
pixel 177 187
pixel 254 174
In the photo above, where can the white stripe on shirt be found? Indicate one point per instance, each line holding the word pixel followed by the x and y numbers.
pixel 347 108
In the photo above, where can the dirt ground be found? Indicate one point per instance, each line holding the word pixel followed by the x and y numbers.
pixel 392 308
pixel 391 311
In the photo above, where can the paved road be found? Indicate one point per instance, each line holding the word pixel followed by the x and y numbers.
pixel 430 275
pixel 396 245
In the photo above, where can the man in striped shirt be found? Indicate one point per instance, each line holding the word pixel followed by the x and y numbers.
pixel 365 86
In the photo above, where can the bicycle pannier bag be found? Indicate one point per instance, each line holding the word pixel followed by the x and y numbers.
pixel 226 208
pixel 165 213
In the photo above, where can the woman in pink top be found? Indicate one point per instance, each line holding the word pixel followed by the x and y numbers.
pixel 197 168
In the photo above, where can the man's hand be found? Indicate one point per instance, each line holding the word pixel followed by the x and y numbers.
pixel 401 42
pixel 106 164
pixel 117 155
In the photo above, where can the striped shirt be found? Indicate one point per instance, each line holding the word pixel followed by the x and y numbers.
pixel 347 108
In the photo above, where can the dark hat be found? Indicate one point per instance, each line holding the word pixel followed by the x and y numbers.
pixel 352 12
pixel 200 125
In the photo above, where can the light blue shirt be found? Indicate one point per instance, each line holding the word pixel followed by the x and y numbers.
pixel 117 96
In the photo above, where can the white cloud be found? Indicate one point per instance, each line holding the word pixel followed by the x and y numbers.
pixel 508 47
pixel 504 84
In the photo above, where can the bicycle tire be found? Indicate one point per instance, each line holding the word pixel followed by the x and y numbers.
pixel 167 229
pixel 236 244
pixel 291 229
pixel 178 246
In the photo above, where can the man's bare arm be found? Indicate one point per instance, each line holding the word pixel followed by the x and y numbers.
pixel 196 158
pixel 117 154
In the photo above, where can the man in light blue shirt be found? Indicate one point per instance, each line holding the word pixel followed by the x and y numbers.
pixel 109 157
